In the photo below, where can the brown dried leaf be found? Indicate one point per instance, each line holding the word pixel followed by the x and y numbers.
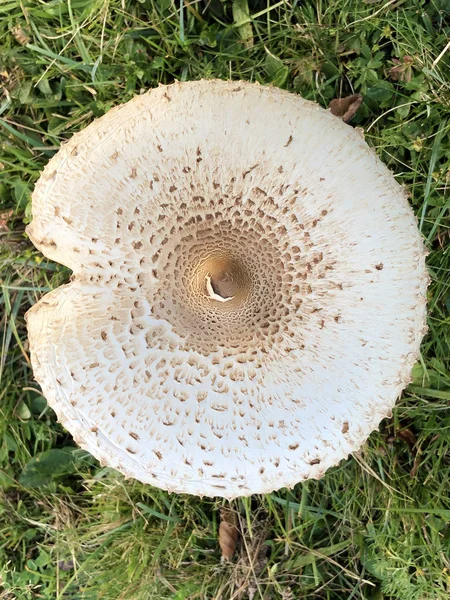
pixel 345 108
pixel 402 69
pixel 5 217
pixel 408 437
pixel 228 533
pixel 20 35
pixel 396 70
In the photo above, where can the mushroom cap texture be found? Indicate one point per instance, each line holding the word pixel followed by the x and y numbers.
pixel 248 293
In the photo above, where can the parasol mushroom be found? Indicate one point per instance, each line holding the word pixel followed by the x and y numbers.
pixel 248 293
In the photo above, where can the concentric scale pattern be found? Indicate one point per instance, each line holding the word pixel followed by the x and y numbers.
pixel 248 290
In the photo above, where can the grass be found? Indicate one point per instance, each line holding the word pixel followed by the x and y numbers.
pixel 377 526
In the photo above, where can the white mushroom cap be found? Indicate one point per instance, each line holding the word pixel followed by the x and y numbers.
pixel 248 291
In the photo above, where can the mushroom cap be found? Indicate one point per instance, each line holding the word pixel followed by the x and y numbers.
pixel 248 293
